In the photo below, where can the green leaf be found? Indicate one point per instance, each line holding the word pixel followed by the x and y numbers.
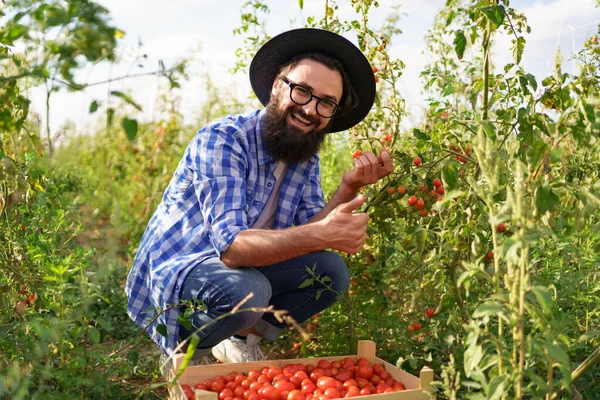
pixel 110 115
pixel 133 357
pixel 420 134
pixel 93 107
pixel 162 329
pixel 473 356
pixel 448 90
pixel 460 43
pixel 545 199
pixel 587 336
pixel 301 4
pixel 497 388
pixel 131 127
pixel 94 334
pixel 517 48
pixel 495 15
pixel 489 309
pixel 450 17
pixel 306 283
pixel 543 298
pixel 126 98
pixel 450 175
pixel 536 153
pixel 557 353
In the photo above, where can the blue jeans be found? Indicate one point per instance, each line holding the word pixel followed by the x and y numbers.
pixel 221 288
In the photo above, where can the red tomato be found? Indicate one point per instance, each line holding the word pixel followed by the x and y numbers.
pixel 253 375
pixel 501 228
pixel 239 392
pixel 273 372
pixel 231 385
pixel 200 386
pixel 283 385
pixel 296 381
pixel 296 395
pixel 417 326
pixel 412 200
pixel 436 182
pixel 362 382
pixel 423 213
pixel 353 391
pixel 401 190
pixel 225 393
pixel 420 204
pixel 251 395
pixel 375 69
pixel 308 387
pixel 440 190
pixel 430 312
pixel 365 391
pixel 399 386
pixel 187 390
pixel 384 375
pixel 350 383
pixel 217 386
pixel 325 382
pixel 356 153
pixel 254 386
pixel 239 379
pixel 343 376
pixel 323 364
pixel 375 379
pixel 268 392
pixel 316 374
pixel 290 369
pixel 391 190
pixel 332 393
pixel 410 328
pixel 417 161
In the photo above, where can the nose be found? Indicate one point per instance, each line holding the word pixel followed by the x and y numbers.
pixel 310 108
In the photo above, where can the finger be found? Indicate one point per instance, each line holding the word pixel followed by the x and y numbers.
pixel 373 163
pixel 359 166
pixel 352 205
pixel 388 164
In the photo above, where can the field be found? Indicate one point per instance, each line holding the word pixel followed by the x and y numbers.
pixel 490 275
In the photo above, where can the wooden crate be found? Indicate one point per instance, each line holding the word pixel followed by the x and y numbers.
pixel 416 388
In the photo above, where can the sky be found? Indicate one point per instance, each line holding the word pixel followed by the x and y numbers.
pixel 171 30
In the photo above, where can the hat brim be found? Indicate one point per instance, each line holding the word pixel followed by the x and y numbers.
pixel 285 46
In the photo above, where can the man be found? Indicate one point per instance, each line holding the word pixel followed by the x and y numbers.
pixel 244 213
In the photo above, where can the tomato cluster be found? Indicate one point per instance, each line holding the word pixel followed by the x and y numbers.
pixel 323 381
pixel 21 306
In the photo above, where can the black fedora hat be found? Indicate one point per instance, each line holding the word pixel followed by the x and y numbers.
pixel 285 46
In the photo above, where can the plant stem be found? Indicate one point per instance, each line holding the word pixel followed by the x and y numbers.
pixel 585 366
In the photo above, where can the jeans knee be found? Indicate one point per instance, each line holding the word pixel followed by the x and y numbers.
pixel 333 265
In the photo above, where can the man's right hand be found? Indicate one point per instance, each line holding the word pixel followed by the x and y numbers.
pixel 345 231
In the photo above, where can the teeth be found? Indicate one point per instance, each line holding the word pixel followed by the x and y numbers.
pixel 307 122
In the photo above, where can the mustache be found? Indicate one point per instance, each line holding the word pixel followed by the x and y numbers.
pixel 300 112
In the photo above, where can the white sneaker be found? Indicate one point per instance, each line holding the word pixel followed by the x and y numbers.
pixel 236 351
pixel 166 362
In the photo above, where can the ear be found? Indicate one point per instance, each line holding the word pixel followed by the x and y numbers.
pixel 276 85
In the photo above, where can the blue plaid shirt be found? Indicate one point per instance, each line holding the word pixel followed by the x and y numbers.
pixel 219 189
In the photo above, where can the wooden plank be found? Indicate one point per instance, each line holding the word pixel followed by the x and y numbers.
pixel 367 349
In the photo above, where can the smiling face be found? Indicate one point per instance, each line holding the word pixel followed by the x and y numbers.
pixel 291 132
pixel 322 81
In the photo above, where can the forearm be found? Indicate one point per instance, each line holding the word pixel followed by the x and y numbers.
pixel 343 194
pixel 259 248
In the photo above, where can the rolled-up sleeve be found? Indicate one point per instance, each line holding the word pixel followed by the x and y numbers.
pixel 219 161
pixel 312 200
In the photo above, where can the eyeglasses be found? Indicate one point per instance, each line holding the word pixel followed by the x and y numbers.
pixel 301 95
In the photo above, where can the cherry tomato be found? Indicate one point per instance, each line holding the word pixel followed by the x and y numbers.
pixel 437 182
pixel 417 161
pixel 412 200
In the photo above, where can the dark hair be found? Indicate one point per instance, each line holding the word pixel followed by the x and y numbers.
pixel 349 98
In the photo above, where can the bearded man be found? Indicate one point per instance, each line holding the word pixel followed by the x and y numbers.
pixel 245 213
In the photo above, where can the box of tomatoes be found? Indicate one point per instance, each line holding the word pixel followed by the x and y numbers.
pixel 362 375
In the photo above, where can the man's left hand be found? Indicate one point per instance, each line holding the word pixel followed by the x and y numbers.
pixel 368 169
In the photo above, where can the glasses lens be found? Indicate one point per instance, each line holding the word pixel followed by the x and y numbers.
pixel 301 95
pixel 326 108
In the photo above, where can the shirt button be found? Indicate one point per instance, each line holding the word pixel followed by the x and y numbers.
pixel 269 184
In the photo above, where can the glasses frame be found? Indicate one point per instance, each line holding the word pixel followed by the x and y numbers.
pixel 319 99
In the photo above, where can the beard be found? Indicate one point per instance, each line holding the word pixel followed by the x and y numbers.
pixel 286 143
